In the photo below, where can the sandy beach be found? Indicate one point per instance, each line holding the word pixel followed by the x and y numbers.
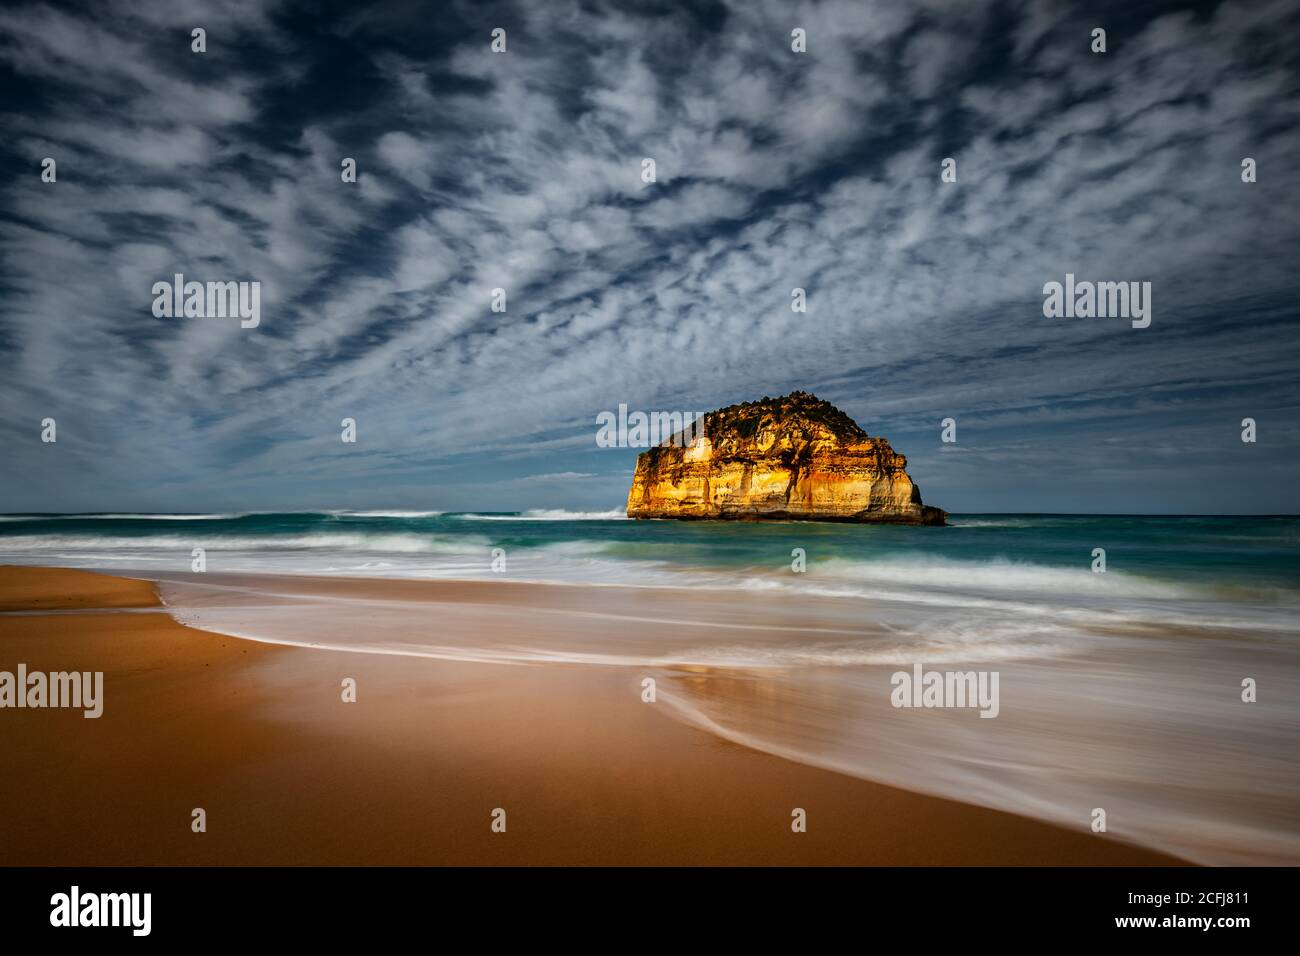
pixel 258 736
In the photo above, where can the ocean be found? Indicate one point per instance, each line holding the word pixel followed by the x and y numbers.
pixel 1120 690
pixel 1152 555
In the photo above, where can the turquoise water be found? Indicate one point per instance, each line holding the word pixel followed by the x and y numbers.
pixel 1254 553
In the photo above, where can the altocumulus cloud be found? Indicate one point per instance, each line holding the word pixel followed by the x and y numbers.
pixel 522 171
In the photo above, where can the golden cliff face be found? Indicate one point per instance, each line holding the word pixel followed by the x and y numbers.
pixel 795 457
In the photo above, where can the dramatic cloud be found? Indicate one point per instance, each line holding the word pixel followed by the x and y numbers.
pixel 522 171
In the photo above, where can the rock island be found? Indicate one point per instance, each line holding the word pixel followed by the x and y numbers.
pixel 790 458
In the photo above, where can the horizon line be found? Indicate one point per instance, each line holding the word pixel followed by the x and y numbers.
pixel 359 511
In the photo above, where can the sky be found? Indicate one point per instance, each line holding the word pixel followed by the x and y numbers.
pixel 523 171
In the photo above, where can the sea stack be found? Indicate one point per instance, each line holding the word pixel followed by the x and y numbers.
pixel 794 458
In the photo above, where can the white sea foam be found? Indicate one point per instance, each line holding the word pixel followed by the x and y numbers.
pixel 386 514
pixel 339 541
pixel 128 516
pixel 995 576
pixel 550 514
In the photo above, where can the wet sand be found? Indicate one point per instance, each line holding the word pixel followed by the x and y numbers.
pixel 289 774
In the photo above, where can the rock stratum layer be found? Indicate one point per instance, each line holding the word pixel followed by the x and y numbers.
pixel 790 458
